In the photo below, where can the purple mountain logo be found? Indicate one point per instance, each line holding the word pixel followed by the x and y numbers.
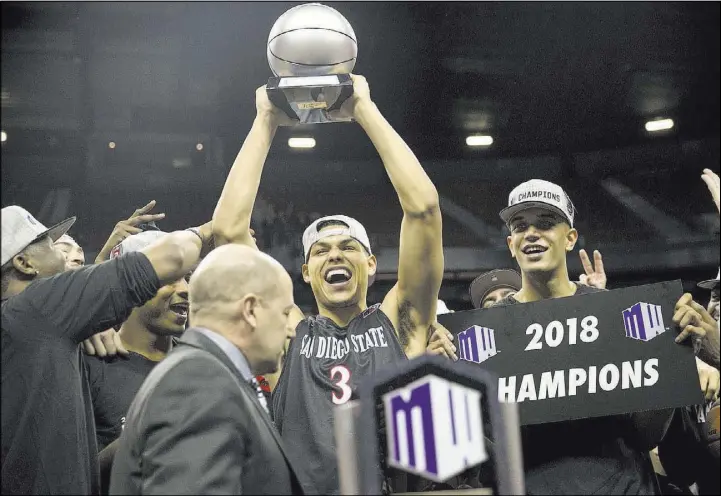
pixel 643 321
pixel 434 428
pixel 477 344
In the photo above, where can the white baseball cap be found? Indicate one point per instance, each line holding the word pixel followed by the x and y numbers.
pixel 348 226
pixel 711 283
pixel 539 194
pixel 67 239
pixel 136 242
pixel 20 230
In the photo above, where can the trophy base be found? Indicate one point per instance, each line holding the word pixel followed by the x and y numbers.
pixel 311 99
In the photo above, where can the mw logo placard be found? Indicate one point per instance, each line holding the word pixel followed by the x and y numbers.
pixel 643 321
pixel 434 428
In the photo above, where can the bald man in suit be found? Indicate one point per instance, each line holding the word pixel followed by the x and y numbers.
pixel 198 424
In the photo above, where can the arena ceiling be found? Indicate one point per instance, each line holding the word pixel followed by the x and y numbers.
pixel 539 77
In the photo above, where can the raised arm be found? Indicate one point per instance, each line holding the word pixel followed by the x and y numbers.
pixel 714 186
pixel 128 227
pixel 411 304
pixel 173 256
pixel 107 292
pixel 231 220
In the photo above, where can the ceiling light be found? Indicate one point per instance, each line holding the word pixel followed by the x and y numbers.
pixel 199 147
pixel 301 142
pixel 479 140
pixel 182 163
pixel 3 136
pixel 111 145
pixel 659 125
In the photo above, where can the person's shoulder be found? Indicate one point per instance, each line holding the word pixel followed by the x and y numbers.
pixel 185 369
pixel 190 360
pixel 64 283
pixel 370 311
pixel 20 314
pixel 99 366
pixel 134 259
pixel 10 303
pixel 583 289
pixel 192 372
pixel 93 361
pixel 316 321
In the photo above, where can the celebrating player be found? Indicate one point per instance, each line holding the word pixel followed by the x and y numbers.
pixel 601 455
pixel 347 339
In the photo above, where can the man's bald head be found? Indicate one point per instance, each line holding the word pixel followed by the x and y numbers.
pixel 229 273
pixel 247 297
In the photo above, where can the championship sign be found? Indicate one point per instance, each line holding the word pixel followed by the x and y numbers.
pixel 589 355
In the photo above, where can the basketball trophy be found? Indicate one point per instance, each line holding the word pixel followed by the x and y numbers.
pixel 419 425
pixel 311 50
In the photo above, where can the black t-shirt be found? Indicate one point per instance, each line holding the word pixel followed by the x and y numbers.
pixel 684 452
pixel 323 365
pixel 114 381
pixel 48 430
pixel 581 289
pixel 586 456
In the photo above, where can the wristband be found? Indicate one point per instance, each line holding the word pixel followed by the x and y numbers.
pixel 196 231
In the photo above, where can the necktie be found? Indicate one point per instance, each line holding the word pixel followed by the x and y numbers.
pixel 259 393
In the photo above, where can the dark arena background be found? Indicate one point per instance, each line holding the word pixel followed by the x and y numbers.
pixel 106 106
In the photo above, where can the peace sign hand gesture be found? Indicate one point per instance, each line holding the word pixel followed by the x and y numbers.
pixel 714 186
pixel 128 227
pixel 595 275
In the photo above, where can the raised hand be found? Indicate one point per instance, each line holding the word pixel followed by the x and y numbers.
pixel 264 106
pixel 714 186
pixel 708 376
pixel 441 342
pixel 361 94
pixel 692 319
pixel 106 343
pixel 595 275
pixel 128 227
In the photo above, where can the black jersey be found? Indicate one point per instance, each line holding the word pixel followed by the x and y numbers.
pixel 323 365
pixel 114 381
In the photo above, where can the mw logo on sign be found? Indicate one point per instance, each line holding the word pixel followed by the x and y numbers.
pixel 434 428
pixel 477 344
pixel 643 321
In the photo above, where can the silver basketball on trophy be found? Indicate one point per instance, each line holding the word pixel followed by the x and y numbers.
pixel 311 40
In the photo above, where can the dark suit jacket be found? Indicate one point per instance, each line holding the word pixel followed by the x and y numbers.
pixel 196 427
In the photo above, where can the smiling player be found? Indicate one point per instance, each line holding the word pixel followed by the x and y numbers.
pixel 147 334
pixel 348 339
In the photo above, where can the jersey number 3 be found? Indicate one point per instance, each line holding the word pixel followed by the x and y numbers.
pixel 343 375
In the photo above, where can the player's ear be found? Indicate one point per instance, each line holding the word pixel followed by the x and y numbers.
pixel 372 265
pixel 304 272
pixel 510 247
pixel 571 239
pixel 24 263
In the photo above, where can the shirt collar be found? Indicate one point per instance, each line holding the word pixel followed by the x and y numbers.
pixel 231 351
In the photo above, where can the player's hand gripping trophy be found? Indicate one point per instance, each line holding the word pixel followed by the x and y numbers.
pixel 311 50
